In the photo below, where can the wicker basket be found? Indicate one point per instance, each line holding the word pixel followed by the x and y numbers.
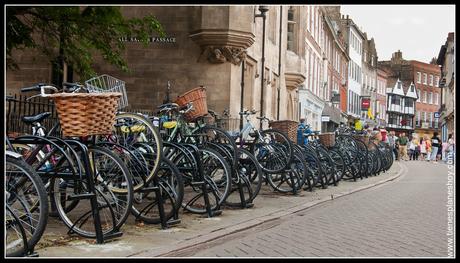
pixel 84 114
pixel 327 139
pixel 198 97
pixel 288 127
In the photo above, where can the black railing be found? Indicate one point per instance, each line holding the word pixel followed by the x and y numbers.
pixel 17 106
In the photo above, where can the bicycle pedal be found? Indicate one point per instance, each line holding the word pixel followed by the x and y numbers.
pixel 173 222
pixel 196 183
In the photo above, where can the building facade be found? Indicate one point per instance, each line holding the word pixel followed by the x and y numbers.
pixel 336 64
pixel 426 78
pixel 401 108
pixel 315 90
pixel 381 98
pixel 219 47
pixel 354 39
pixel 369 83
pixel 446 59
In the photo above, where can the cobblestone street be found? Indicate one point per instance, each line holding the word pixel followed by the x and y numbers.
pixel 404 218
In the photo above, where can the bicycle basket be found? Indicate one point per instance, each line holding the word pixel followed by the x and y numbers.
pixel 105 83
pixel 198 97
pixel 84 114
pixel 288 127
pixel 327 139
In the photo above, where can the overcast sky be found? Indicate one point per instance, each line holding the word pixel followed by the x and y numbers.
pixel 417 30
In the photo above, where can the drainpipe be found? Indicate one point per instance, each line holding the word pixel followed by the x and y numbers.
pixel 279 64
pixel 263 9
pixel 242 93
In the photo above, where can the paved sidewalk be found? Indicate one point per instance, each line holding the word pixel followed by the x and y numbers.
pixel 406 218
pixel 151 240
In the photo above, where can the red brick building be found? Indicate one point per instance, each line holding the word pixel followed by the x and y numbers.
pixel 426 78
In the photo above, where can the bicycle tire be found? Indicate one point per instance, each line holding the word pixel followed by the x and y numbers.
pixel 38 187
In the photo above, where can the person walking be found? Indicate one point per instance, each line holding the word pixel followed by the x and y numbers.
pixel 403 141
pixel 428 148
pixel 422 148
pixel 413 145
pixel 450 148
pixel 435 144
pixel 392 141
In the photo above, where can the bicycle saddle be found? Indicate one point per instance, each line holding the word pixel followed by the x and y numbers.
pixel 35 118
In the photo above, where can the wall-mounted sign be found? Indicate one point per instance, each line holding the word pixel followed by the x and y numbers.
pixel 150 39
pixel 437 115
pixel 325 118
pixel 365 104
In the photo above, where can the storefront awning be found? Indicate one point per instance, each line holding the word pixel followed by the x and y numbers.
pixel 333 113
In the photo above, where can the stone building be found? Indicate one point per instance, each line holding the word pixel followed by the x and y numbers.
pixel 446 59
pixel 219 47
pixel 426 79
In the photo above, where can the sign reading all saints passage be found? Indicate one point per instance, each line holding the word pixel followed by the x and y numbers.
pixel 150 39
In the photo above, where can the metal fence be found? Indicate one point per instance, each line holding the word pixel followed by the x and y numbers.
pixel 17 106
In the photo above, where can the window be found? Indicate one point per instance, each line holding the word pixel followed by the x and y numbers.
pixel 431 120
pixel 419 99
pixel 431 80
pixel 424 116
pixel 408 103
pixel 419 77
pixel 395 99
pixel 425 76
pixel 436 81
pixel 430 98
pixel 291 33
pixel 417 122
pixel 436 99
pixel 425 96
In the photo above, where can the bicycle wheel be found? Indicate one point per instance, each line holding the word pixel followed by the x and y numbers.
pixel 273 150
pixel 314 171
pixel 137 133
pixel 217 178
pixel 27 202
pixel 292 179
pixel 339 163
pixel 114 191
pixel 248 176
pixel 145 205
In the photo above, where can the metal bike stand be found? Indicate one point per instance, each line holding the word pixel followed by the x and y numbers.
pixel 202 181
pixel 28 252
pixel 84 157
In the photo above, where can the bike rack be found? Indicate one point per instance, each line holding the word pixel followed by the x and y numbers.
pixel 84 157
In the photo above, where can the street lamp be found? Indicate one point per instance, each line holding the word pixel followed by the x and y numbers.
pixel 263 9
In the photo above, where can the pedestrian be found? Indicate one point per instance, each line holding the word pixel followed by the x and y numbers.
pixel 422 148
pixel 413 145
pixel 445 145
pixel 403 141
pixel 428 148
pixel 392 140
pixel 451 148
pixel 435 144
pixel 417 149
